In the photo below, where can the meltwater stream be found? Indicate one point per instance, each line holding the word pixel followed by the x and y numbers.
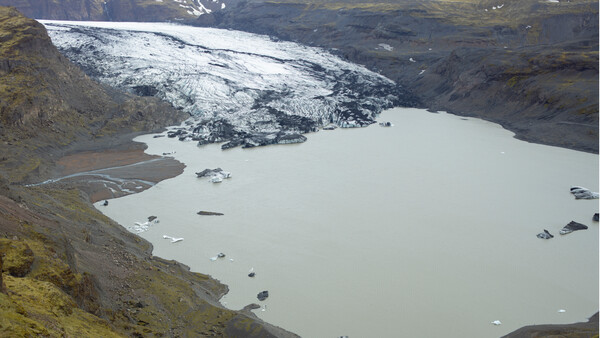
pixel 424 229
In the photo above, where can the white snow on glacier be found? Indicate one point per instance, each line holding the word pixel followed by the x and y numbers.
pixel 249 82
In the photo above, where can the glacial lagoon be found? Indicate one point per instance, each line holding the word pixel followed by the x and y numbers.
pixel 424 229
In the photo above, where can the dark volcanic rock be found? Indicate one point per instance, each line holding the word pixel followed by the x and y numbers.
pixel 262 295
pixel 209 213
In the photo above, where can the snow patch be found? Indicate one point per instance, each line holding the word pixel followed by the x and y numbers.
pixel 386 47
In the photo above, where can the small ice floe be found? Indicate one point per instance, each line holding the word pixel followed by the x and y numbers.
pixel 494 7
pixel 572 226
pixel 264 308
pixel 554 1
pixel 219 255
pixel 330 127
pixel 105 203
pixel 562 311
pixel 545 235
pixel 583 193
pixel 173 239
pixel 500 6
pixel 411 60
pixel 496 322
pixel 485 10
pixel 422 71
pixel 231 259
pixel 215 175
pixel 251 273
pixel 386 124
pixel 140 227
pixel 528 27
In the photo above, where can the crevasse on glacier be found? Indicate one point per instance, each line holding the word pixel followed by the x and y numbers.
pixel 240 88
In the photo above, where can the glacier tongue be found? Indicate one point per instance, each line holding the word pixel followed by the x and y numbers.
pixel 238 87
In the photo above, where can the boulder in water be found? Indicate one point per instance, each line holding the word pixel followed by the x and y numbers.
pixel 209 213
pixel 572 226
pixel 263 295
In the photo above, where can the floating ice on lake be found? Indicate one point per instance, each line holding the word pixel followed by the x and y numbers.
pixel 140 227
pixel 496 322
pixel 583 193
pixel 173 239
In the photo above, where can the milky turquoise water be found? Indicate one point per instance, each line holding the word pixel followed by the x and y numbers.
pixel 424 229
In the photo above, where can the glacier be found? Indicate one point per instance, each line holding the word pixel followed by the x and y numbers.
pixel 239 88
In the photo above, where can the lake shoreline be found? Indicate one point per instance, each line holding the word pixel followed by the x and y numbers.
pixel 236 172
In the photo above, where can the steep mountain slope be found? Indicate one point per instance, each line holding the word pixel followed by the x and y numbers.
pixel 67 270
pixel 47 103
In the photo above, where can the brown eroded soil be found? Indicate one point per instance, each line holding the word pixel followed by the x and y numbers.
pixel 112 173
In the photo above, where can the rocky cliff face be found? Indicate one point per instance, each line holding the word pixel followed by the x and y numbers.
pixel 531 66
pixel 67 270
